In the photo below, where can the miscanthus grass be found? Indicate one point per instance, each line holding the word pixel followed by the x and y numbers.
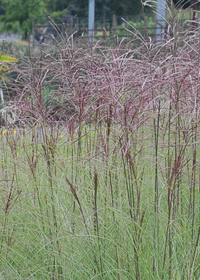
pixel 101 179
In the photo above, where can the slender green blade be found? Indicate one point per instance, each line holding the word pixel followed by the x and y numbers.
pixel 7 58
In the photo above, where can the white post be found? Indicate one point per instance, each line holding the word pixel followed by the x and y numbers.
pixel 91 19
pixel 161 5
pixel 1 95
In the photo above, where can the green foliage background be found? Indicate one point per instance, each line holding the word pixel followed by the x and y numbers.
pixel 17 14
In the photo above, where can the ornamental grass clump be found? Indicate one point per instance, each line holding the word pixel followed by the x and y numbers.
pixel 101 179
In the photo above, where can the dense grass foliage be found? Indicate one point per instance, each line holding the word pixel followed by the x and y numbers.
pixel 103 182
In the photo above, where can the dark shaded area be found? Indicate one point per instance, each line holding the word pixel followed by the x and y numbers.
pixel 107 8
pixel 2 11
pixel 186 3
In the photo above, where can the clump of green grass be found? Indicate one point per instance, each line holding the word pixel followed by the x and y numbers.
pixel 104 181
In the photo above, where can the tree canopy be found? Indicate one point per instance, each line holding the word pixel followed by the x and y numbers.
pixel 19 13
